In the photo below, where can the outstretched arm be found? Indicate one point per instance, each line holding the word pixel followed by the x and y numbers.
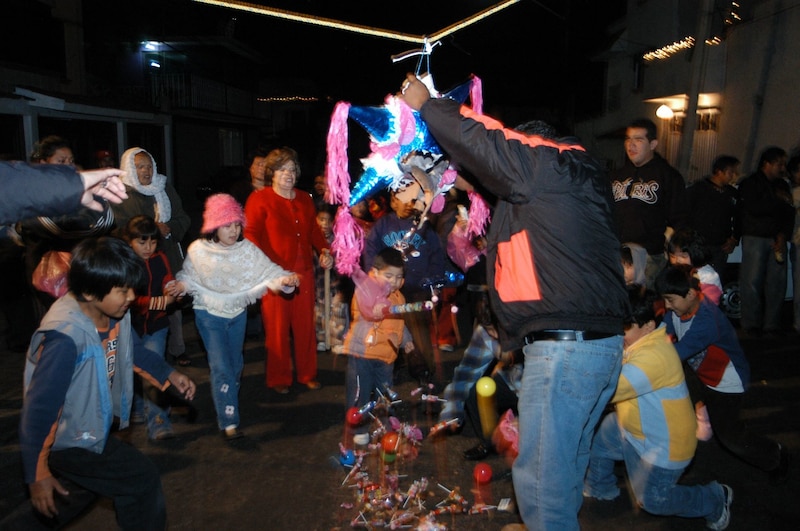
pixel 104 183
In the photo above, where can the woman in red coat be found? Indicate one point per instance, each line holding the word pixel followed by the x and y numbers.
pixel 281 221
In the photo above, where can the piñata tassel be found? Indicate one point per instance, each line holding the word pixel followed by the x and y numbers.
pixel 478 214
pixel 476 94
pixel 349 241
pixel 337 174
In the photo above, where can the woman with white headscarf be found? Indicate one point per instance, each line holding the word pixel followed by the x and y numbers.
pixel 150 194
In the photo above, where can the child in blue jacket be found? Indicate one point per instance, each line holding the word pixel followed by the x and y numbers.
pixel 707 343
pixel 79 378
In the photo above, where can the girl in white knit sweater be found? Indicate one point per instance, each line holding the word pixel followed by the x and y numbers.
pixel 224 273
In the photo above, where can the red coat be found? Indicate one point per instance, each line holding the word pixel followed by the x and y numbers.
pixel 280 227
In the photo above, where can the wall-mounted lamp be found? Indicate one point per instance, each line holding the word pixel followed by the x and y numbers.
pixel 664 112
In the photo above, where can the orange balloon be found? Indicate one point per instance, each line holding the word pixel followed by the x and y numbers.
pixel 389 442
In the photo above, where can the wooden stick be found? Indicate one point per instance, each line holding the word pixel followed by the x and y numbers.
pixel 327 310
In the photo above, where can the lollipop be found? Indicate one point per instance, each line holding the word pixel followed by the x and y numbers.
pixel 354 416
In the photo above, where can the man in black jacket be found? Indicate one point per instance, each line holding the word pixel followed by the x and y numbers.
pixel 767 224
pixel 556 286
pixel 648 196
pixel 714 213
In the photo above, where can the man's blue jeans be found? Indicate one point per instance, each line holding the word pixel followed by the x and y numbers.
pixel 565 387
pixel 762 283
pixel 655 488
pixel 224 340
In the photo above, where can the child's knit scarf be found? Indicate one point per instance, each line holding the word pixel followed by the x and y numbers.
pixel 227 279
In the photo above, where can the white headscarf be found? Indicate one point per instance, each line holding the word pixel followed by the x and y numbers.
pixel 156 188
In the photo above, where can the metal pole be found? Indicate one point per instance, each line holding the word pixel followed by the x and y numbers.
pixel 699 60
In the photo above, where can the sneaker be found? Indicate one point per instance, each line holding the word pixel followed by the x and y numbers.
pixel 322 346
pixel 606 496
pixel 281 389
pixel 163 434
pixel 723 521
pixel 159 428
pixel 479 452
pixel 446 348
pixel 231 433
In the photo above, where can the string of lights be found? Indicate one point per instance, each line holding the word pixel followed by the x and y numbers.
pixel 730 17
pixel 358 28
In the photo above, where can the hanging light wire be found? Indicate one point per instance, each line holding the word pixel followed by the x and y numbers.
pixel 358 28
pixel 469 21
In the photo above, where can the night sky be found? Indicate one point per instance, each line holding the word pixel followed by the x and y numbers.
pixel 534 53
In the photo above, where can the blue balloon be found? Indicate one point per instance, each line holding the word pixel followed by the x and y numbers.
pixel 348 458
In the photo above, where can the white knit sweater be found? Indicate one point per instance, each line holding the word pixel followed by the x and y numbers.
pixel 224 279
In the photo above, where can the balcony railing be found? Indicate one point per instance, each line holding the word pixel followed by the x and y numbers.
pixel 187 91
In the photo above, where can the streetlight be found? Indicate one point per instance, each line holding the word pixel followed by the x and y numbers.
pixel 665 112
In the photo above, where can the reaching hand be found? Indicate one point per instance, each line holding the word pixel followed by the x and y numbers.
pixel 326 260
pixel 414 92
pixel 42 495
pixel 183 383
pixel 104 183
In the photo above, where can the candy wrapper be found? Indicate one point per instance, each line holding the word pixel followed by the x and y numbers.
pixel 460 248
pixel 506 436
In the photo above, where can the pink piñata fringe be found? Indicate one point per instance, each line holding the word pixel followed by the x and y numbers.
pixel 437 205
pixel 337 174
pixel 348 242
pixel 449 175
pixel 479 214
pixel 408 125
pixel 476 94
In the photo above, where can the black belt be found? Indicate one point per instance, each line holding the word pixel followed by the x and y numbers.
pixel 565 335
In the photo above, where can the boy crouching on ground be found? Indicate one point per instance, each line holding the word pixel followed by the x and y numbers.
pixel 653 428
pixel 79 377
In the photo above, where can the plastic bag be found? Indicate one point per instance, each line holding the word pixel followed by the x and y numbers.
pixel 506 437
pixel 460 248
pixel 369 294
pixel 50 276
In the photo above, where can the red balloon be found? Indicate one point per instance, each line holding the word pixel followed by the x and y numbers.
pixel 353 417
pixel 482 473
pixel 389 442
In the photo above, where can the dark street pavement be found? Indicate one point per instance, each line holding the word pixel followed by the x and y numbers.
pixel 285 476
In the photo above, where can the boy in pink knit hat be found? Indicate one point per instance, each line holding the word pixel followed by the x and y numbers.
pixel 224 273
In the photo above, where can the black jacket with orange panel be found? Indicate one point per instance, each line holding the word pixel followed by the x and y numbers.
pixel 553 257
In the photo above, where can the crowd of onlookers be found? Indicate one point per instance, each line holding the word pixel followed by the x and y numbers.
pixel 263 266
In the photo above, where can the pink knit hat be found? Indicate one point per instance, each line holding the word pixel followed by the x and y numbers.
pixel 221 210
